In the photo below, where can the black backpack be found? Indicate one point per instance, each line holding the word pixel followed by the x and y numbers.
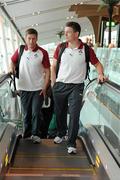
pixel 18 61
pixel 87 58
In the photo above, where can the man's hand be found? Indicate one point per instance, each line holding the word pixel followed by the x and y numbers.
pixel 12 68
pixel 43 92
pixel 102 78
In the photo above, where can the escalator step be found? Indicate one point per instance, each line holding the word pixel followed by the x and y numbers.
pixel 49 159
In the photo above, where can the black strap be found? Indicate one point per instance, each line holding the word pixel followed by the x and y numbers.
pixel 87 59
pixel 18 61
pixel 62 48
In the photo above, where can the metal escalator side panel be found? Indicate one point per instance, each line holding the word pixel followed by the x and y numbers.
pixel 7 139
pixel 107 160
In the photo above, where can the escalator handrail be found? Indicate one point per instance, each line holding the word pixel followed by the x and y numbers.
pixel 3 77
pixel 90 82
pixel 113 86
pixel 109 83
pixel 88 85
pixel 116 88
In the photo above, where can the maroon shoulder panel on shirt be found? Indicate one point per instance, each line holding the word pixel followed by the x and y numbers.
pixel 56 53
pixel 93 58
pixel 45 61
pixel 14 57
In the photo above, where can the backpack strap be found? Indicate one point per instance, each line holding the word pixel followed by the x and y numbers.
pixel 62 48
pixel 87 59
pixel 18 61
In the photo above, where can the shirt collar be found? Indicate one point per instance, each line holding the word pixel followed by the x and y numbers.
pixel 81 44
pixel 34 50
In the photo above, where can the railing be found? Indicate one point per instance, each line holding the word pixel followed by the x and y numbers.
pixel 101 108
pixel 110 58
pixel 9 101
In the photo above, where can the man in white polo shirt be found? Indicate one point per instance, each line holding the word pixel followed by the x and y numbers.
pixel 34 78
pixel 69 84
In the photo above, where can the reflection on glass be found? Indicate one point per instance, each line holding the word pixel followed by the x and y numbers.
pixel 9 107
pixel 102 109
pixel 102 54
pixel 113 68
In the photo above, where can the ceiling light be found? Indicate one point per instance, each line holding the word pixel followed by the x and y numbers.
pixel 35 13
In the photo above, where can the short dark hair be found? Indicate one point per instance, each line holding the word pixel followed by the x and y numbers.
pixel 74 25
pixel 31 31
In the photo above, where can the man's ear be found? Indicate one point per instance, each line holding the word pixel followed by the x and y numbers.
pixel 77 34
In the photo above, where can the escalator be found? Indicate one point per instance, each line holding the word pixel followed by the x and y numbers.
pixel 95 159
pixel 49 160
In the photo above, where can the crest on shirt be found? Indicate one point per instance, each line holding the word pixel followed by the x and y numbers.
pixel 80 51
pixel 36 55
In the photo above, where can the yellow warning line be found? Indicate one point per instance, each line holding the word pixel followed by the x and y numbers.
pixel 48 156
pixel 73 171
pixel 53 169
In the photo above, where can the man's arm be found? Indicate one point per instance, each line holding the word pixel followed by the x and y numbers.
pixel 100 70
pixel 12 67
pixel 46 80
pixel 13 62
pixel 53 72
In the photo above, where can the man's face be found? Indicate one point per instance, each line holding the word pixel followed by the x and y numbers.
pixel 70 34
pixel 31 41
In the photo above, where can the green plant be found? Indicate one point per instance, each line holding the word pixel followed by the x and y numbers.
pixel 60 34
pixel 111 2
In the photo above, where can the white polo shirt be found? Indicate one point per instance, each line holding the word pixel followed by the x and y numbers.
pixel 72 68
pixel 31 69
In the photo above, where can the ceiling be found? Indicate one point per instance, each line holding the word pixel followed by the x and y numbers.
pixel 48 17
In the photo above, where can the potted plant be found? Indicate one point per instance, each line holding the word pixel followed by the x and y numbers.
pixel 60 34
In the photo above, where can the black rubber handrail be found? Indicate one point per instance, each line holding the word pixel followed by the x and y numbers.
pixel 3 77
pixel 10 76
pixel 107 82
